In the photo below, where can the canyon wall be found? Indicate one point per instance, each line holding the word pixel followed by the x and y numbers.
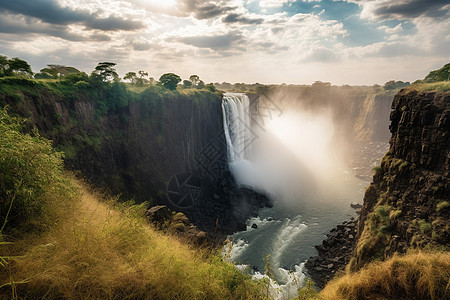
pixel 160 146
pixel 407 204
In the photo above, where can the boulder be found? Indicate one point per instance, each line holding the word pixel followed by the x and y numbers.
pixel 355 205
pixel 158 215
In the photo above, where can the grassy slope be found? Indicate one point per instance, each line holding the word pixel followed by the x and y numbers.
pixel 100 250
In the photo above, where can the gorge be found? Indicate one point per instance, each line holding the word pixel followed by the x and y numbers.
pixel 275 169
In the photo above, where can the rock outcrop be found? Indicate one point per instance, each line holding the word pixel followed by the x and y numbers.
pixel 334 253
pixel 178 224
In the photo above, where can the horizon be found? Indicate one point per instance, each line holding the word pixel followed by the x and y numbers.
pixel 344 42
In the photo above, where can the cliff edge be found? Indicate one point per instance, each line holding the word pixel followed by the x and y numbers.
pixel 407 204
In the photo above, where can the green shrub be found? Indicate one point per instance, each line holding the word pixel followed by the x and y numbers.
pixel 424 226
pixel 28 163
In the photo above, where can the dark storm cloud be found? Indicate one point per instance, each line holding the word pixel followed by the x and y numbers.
pixel 217 43
pixel 12 24
pixel 50 11
pixel 236 18
pixel 414 8
pixel 408 9
pixel 208 11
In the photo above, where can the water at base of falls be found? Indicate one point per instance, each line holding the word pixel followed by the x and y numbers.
pixel 289 233
pixel 298 220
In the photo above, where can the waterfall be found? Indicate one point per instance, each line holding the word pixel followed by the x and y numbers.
pixel 236 124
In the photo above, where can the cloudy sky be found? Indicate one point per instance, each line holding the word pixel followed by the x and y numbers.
pixel 267 41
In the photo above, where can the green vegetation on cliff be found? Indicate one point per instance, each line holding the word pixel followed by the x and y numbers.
pixel 437 80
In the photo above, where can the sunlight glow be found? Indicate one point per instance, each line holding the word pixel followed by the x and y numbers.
pixel 163 3
pixel 309 137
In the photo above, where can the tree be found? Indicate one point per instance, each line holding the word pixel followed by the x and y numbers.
pixel 131 76
pixel 142 74
pixel 63 70
pixel 141 80
pixel 201 84
pixel 194 79
pixel 170 81
pixel 4 66
pixel 47 73
pixel 74 78
pixel 20 66
pixel 394 85
pixel 106 71
pixel 56 71
pixel 211 87
pixel 443 74
pixel 320 84
pixel 187 84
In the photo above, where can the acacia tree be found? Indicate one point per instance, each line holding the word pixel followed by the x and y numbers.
pixel 56 71
pixel 62 70
pixel 47 72
pixel 200 84
pixel 141 80
pixel 106 71
pixel 14 66
pixel 194 79
pixel 170 81
pixel 20 66
pixel 131 76
pixel 142 74
pixel 187 84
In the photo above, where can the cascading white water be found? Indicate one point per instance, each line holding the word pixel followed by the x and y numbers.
pixel 239 138
pixel 290 157
pixel 236 124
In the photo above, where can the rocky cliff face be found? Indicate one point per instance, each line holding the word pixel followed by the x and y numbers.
pixel 407 204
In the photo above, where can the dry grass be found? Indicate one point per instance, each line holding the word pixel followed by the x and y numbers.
pixel 441 86
pixel 98 251
pixel 413 276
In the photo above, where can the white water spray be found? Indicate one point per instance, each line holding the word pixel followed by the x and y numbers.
pixel 239 137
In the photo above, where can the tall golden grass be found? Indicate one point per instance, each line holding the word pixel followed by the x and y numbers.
pixel 100 250
pixel 413 276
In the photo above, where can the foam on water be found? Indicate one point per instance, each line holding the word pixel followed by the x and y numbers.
pixel 285 236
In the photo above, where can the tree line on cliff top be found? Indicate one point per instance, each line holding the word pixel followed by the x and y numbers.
pixel 103 72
